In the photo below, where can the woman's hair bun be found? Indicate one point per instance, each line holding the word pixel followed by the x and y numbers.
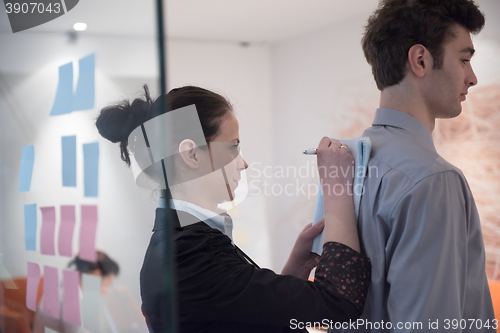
pixel 116 122
pixel 111 122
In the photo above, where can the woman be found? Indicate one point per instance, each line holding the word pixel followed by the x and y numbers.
pixel 105 268
pixel 219 288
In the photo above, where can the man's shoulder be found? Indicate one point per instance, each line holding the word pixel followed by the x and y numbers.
pixel 402 157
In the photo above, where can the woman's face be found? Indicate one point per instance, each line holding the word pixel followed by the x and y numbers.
pixel 106 283
pixel 225 152
pixel 211 174
pixel 106 280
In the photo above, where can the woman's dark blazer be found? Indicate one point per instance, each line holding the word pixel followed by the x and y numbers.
pixel 218 290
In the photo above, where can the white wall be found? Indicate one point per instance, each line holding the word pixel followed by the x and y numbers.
pixel 312 78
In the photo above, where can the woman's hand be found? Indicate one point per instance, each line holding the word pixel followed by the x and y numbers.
pixel 335 167
pixel 336 172
pixel 302 260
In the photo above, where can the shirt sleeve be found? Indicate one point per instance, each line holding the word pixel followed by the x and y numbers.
pixel 427 254
pixel 216 285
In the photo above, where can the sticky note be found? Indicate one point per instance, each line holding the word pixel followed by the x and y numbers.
pixel 32 285
pixel 50 291
pixel 90 168
pixel 66 228
pixel 30 227
pixel 26 168
pixel 85 92
pixel 71 297
pixel 91 286
pixel 48 230
pixel 64 94
pixel 88 230
pixel 68 144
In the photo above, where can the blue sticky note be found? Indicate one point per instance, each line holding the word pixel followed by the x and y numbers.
pixel 64 95
pixel 90 168
pixel 30 227
pixel 85 88
pixel 69 160
pixel 26 169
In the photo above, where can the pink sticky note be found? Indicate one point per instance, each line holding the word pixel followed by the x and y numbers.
pixel 66 231
pixel 71 297
pixel 48 230
pixel 32 285
pixel 88 229
pixel 51 291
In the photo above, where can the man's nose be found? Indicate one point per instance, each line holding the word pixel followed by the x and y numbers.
pixel 471 78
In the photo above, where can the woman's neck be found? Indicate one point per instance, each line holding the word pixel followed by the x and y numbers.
pixel 197 198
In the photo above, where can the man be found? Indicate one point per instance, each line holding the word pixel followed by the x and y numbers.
pixel 418 221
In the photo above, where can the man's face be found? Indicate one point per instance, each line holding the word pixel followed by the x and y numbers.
pixel 445 88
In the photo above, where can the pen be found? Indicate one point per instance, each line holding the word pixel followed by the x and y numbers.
pixel 310 151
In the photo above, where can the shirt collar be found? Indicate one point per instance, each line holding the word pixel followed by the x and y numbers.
pixel 398 119
pixel 223 223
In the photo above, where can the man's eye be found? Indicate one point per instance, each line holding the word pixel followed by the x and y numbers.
pixel 465 61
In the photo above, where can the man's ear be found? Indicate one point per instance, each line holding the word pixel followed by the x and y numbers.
pixel 188 150
pixel 419 60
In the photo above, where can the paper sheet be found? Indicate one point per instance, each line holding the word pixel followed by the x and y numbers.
pixel 50 291
pixel 66 228
pixel 68 144
pixel 48 230
pixel 30 227
pixel 84 95
pixel 26 168
pixel 88 230
pixel 32 285
pixel 64 94
pixel 360 149
pixel 91 168
pixel 71 297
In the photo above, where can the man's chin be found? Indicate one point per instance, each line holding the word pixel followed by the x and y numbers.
pixel 451 113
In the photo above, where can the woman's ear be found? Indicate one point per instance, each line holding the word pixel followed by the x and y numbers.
pixel 188 150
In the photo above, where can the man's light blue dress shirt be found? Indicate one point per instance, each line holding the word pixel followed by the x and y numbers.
pixel 420 228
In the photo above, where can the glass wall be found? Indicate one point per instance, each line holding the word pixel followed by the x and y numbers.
pixel 64 190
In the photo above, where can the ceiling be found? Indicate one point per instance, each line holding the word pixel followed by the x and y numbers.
pixel 232 20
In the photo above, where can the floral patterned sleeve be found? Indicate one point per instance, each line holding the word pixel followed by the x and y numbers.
pixel 344 272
